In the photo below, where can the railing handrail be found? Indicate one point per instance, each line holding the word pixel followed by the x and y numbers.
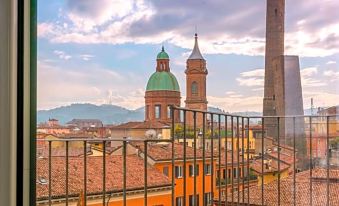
pixel 129 139
pixel 252 117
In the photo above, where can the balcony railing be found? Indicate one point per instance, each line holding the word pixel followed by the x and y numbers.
pixel 74 177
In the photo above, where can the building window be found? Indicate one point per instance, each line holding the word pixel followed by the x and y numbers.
pixel 229 173
pixel 165 171
pixel 192 172
pixel 194 88
pixel 207 169
pixel 224 174
pixel 229 145
pixel 234 172
pixel 178 171
pixel 147 111
pixel 208 198
pixel 169 111
pixel 157 111
pixel 193 201
pixel 179 201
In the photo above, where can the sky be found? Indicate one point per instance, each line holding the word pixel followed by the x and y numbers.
pixel 104 51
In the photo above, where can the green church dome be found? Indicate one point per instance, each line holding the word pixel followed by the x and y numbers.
pixel 164 81
pixel 162 54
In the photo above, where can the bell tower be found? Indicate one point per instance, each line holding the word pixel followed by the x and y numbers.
pixel 196 73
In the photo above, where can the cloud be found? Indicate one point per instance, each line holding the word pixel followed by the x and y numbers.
pixel 86 57
pixel 237 103
pixel 320 98
pixel 62 55
pixel 254 73
pixel 331 62
pixel 253 78
pixel 332 75
pixel 86 84
pixel 310 71
pixel 225 26
pixel 309 78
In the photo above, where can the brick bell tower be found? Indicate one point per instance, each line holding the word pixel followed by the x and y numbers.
pixel 196 73
pixel 275 18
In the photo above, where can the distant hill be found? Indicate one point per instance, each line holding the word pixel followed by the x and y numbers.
pixel 108 114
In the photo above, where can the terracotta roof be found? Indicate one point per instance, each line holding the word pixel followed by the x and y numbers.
pixel 75 121
pixel 229 158
pixel 61 152
pixel 76 135
pixel 141 125
pixel 286 157
pixel 256 166
pixel 46 126
pixel 163 151
pixel 319 195
pixel 114 175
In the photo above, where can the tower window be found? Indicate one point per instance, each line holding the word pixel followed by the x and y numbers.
pixel 169 111
pixel 157 111
pixel 147 111
pixel 276 11
pixel 194 88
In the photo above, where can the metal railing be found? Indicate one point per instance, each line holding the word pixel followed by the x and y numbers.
pixel 210 128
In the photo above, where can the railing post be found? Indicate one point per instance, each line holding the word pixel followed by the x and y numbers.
pixel 66 173
pixel 184 170
pixel 212 149
pixel 278 161
pixel 203 157
pixel 328 160
pixel 311 163
pixel 49 172
pixel 232 158
pixel 195 156
pixel 124 171
pixel 226 172
pixel 238 160
pixel 104 174
pixel 85 172
pixel 262 159
pixel 145 173
pixel 294 164
pixel 173 169
pixel 219 148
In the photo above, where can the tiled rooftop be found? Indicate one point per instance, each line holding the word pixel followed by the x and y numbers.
pixel 229 157
pixel 114 175
pixel 163 151
pixel 256 165
pixel 302 190
pixel 141 125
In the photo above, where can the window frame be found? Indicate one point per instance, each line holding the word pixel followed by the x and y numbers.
pixel 178 173
pixel 157 114
pixel 194 88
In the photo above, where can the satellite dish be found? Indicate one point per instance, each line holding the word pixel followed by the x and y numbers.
pixel 151 134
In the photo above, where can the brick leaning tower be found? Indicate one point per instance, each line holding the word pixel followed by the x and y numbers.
pixel 283 91
pixel 275 15
pixel 196 73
